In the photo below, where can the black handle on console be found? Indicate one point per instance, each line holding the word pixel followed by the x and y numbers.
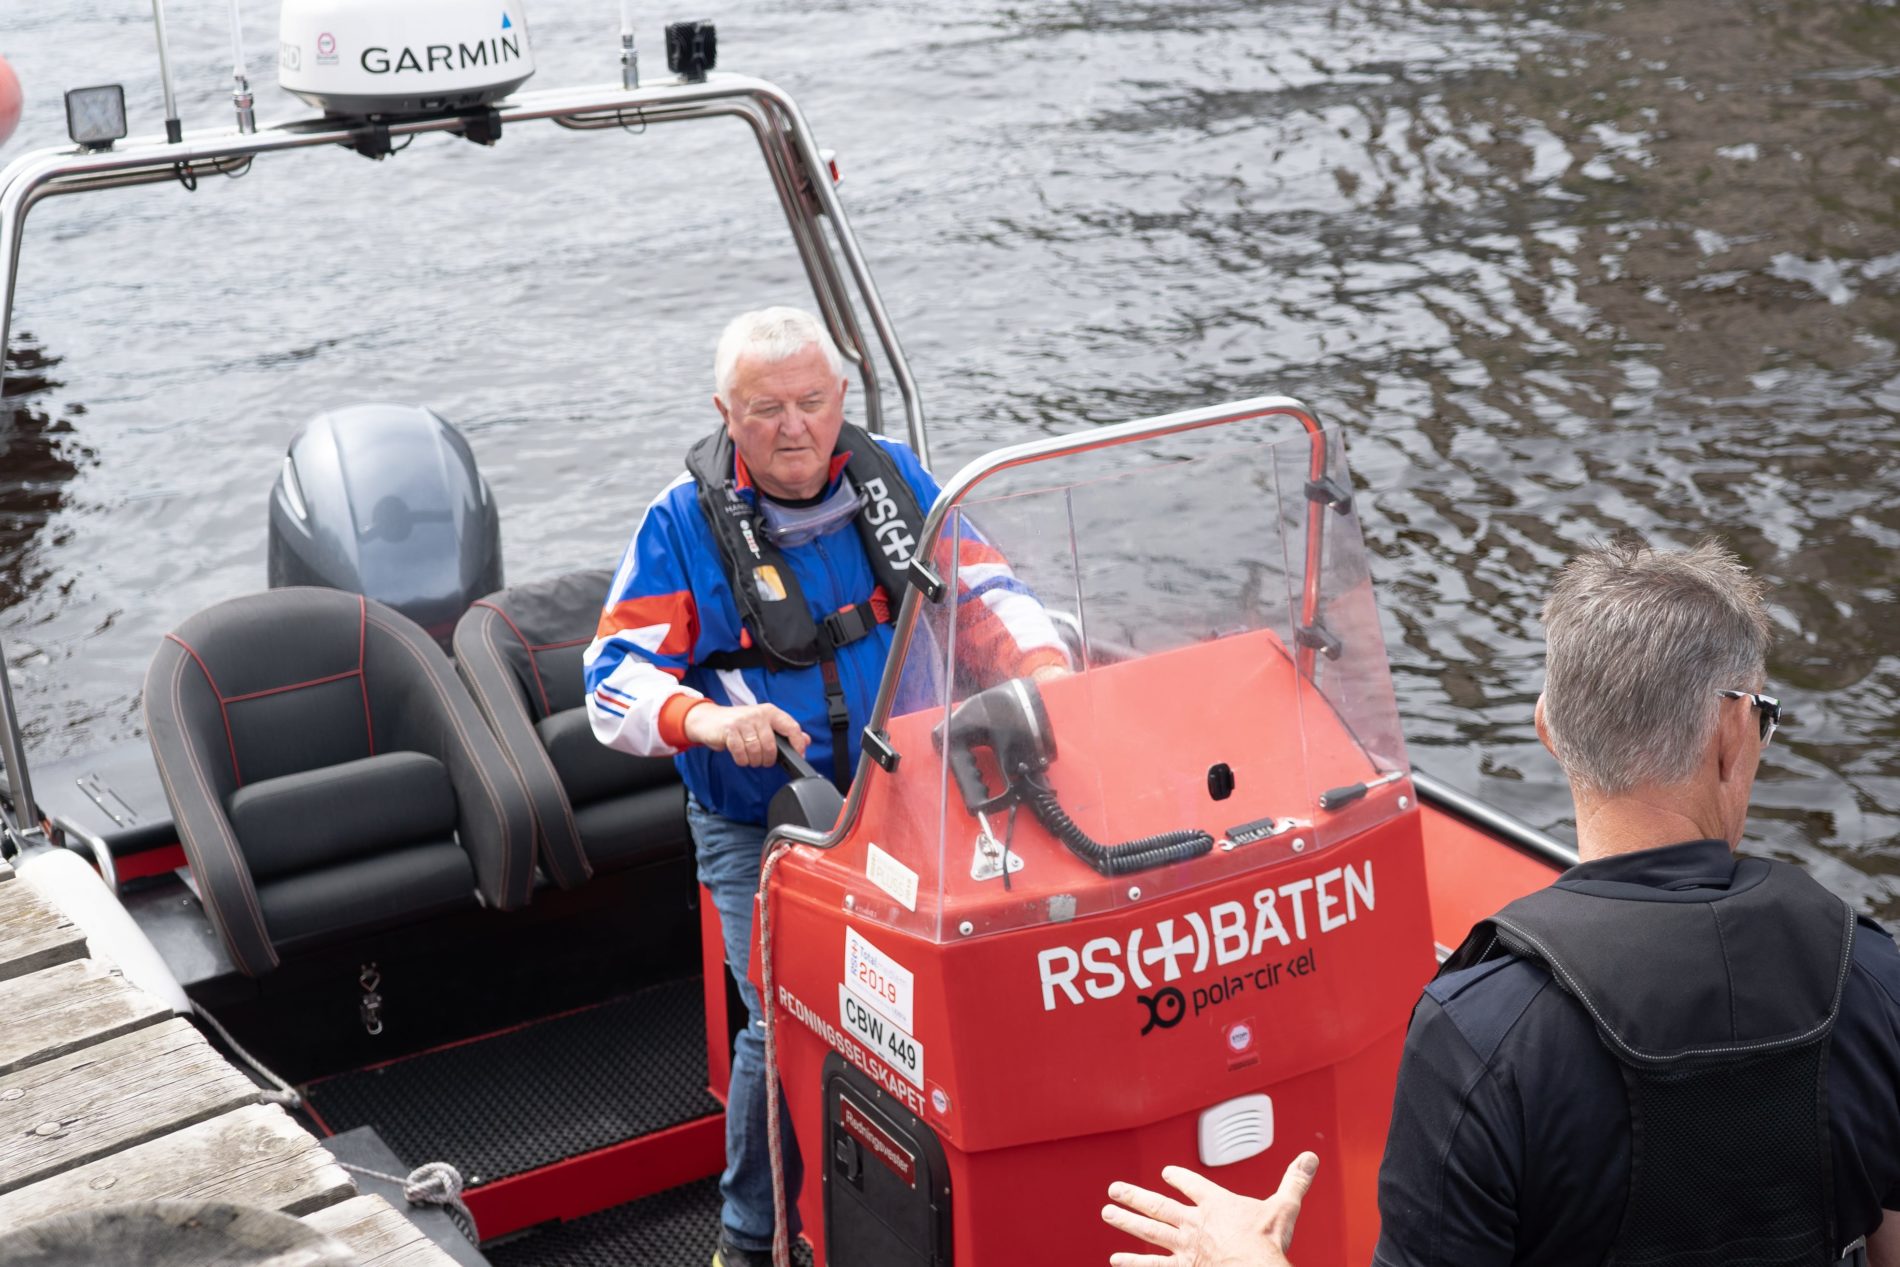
pixel 793 762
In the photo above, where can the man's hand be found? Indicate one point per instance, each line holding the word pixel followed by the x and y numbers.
pixel 747 733
pixel 1217 1228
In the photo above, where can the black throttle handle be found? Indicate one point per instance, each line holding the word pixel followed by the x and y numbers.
pixel 792 761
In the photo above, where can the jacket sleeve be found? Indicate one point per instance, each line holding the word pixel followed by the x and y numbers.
pixel 641 649
pixel 1448 1185
pixel 1002 629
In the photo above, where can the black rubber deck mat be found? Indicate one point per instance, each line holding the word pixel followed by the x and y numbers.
pixel 675 1228
pixel 528 1097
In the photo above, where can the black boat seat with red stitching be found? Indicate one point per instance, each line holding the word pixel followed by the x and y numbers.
pixel 328 774
pixel 596 810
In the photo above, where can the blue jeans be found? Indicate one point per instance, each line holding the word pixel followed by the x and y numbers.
pixel 729 868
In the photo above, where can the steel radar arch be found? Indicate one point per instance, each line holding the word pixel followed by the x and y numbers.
pixel 821 230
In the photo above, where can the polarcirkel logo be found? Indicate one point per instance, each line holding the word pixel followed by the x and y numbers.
pixel 1225 936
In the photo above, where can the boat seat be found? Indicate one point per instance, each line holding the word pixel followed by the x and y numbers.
pixel 328 774
pixel 595 809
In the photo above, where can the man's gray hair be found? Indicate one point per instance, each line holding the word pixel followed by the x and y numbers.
pixel 1638 642
pixel 769 335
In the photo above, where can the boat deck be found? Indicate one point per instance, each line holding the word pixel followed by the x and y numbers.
pixel 105 1098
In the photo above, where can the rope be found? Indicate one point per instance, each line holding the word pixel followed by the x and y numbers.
pixel 285 1094
pixel 432 1183
pixel 781 1226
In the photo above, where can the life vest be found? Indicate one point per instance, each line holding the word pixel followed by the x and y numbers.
pixel 1718 1008
pixel 772 608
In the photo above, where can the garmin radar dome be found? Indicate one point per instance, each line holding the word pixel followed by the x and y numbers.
pixel 371 57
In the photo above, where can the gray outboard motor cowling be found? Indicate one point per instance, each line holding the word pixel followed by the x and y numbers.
pixel 385 500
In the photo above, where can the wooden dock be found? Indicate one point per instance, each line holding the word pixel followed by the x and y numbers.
pixel 105 1098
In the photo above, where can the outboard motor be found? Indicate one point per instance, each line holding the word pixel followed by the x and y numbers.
pixel 385 500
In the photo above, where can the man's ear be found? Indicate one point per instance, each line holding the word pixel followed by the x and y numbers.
pixel 1543 726
pixel 1731 738
pixel 724 416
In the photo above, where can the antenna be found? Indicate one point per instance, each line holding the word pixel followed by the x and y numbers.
pixel 629 58
pixel 174 131
pixel 241 89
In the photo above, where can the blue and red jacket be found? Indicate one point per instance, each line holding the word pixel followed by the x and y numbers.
pixel 671 609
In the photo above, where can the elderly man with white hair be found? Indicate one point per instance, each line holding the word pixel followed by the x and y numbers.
pixel 1672 1055
pixel 755 601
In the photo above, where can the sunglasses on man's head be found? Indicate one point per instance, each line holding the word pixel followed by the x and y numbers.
pixel 1767 707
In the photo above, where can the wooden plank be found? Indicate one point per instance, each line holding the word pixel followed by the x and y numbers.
pixel 379 1233
pixel 90 1103
pixel 63 1008
pixel 33 934
pixel 253 1156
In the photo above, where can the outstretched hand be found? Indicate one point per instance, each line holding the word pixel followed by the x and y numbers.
pixel 1216 1228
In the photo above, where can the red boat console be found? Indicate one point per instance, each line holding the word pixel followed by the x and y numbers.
pixel 982 1021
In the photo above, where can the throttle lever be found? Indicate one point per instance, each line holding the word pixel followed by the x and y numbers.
pixel 792 761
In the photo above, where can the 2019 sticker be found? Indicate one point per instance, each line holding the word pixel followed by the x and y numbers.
pixel 879 980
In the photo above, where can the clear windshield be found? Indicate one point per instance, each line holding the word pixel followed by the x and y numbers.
pixel 1134 685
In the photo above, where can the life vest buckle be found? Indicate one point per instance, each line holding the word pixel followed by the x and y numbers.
pixel 848 624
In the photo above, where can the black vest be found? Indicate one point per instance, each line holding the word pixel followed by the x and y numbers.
pixel 772 606
pixel 1719 1009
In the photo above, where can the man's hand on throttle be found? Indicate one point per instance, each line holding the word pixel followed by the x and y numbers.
pixel 748 732
pixel 1216 1228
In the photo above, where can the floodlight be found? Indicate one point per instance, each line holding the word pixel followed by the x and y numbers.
pixel 95 117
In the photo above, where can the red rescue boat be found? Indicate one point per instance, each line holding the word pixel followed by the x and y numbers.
pixel 1173 905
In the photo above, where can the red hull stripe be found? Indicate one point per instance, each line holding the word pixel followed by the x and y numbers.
pixel 149 862
pixel 601 1179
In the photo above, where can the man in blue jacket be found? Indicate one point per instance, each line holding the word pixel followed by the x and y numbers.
pixel 754 601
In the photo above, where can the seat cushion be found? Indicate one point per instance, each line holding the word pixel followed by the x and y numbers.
pixel 337 814
pixel 643 826
pixel 401 886
pixel 589 769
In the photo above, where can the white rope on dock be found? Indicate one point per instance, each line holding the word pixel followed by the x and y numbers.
pixel 284 1094
pixel 432 1183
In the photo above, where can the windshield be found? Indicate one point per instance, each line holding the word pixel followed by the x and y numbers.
pixel 1134 683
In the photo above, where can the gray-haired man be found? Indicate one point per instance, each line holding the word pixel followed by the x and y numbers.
pixel 755 601
pixel 1673 1054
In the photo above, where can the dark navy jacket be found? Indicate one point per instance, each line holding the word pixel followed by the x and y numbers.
pixel 1510 1129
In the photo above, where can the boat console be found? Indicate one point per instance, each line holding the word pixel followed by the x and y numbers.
pixel 1167 906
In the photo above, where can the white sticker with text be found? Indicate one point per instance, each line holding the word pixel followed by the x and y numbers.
pixel 878 979
pixel 891 875
pixel 896 1048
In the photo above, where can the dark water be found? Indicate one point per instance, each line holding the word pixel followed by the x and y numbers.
pixel 1558 270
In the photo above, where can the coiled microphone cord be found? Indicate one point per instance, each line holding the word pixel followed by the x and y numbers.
pixel 1110 860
